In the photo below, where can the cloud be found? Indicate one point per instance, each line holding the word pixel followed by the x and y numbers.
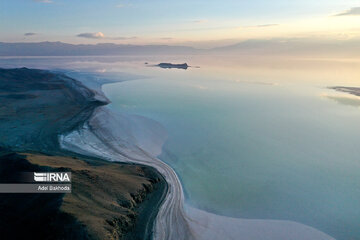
pixel 96 35
pixel 200 21
pixel 29 34
pixel 351 12
pixel 122 38
pixel 261 26
pixel 123 5
pixel 100 35
pixel 43 1
pixel 267 25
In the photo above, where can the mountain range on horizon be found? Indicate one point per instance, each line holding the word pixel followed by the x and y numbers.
pixel 67 49
pixel 345 48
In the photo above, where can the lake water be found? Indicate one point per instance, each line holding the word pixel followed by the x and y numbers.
pixel 248 138
pixel 258 142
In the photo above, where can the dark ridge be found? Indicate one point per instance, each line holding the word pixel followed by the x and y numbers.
pixel 33 216
pixel 36 106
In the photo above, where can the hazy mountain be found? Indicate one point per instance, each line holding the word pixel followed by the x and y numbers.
pixel 65 49
pixel 298 46
pixel 306 47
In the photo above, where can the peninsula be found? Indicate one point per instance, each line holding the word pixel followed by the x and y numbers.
pixel 121 200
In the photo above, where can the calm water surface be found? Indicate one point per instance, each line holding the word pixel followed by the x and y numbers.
pixel 250 139
pixel 258 143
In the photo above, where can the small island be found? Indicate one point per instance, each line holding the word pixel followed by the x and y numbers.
pixel 171 65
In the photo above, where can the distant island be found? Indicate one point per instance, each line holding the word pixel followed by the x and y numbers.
pixel 351 90
pixel 171 65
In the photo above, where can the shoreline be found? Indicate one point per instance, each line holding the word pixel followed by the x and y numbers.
pixel 101 141
pixel 104 135
pixel 175 219
pixel 39 97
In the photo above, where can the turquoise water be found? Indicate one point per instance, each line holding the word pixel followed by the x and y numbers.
pixel 249 139
pixel 256 145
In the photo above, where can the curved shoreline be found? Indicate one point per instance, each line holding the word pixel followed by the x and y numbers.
pixel 37 106
pixel 101 142
pixel 99 138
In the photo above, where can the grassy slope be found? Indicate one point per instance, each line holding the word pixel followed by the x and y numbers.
pixel 108 198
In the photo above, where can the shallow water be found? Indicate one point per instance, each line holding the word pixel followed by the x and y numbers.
pixel 257 145
pixel 249 139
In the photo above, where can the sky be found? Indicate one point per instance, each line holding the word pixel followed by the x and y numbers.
pixel 185 22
